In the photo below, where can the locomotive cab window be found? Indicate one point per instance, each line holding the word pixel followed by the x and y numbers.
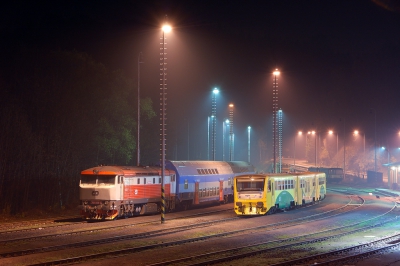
pixel 106 179
pixel 250 184
pixel 88 179
pixel 186 184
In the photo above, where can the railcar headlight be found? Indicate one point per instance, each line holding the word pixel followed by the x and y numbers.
pixel 259 204
pixel 239 204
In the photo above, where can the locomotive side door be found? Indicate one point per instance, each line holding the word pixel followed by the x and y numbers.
pixel 119 188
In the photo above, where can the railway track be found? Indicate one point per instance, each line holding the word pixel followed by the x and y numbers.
pixel 106 227
pixel 351 205
pixel 29 225
pixel 285 246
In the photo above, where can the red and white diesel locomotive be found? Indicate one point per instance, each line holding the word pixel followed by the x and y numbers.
pixel 109 192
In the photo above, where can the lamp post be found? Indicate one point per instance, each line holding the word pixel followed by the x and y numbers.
pixel 138 112
pixel 231 131
pixel 388 155
pixel 225 124
pixel 315 145
pixel 300 133
pixel 356 133
pixel 374 140
pixel 337 140
pixel 165 29
pixel 214 121
pixel 275 113
pixel 248 143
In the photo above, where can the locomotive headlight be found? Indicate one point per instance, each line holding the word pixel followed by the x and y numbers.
pixel 259 204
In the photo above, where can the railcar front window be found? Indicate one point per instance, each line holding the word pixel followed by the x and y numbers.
pixel 250 185
pixel 106 179
pixel 88 179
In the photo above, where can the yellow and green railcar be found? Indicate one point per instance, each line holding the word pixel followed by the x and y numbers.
pixel 259 194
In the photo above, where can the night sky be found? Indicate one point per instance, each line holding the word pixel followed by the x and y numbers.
pixel 339 61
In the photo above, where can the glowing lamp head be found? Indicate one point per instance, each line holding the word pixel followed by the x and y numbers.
pixel 276 72
pixel 330 132
pixel 355 132
pixel 231 105
pixel 215 91
pixel 166 28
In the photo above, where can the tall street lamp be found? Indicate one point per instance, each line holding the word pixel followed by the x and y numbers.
pixel 208 138
pixel 231 131
pixel 315 145
pixel 248 143
pixel 337 141
pixel 374 141
pixel 275 113
pixel 138 112
pixel 165 29
pixel 214 121
pixel 356 133
pixel 300 133
pixel 225 124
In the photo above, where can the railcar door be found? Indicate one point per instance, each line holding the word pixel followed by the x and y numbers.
pixel 270 195
pixel 196 192
pixel 221 190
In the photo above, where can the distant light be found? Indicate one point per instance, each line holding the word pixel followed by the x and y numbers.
pixel 280 110
pixel 330 132
pixel 249 127
pixel 215 91
pixel 300 133
pixel 166 28
pixel 383 148
pixel 227 121
pixel 276 72
pixel 355 132
pixel 231 105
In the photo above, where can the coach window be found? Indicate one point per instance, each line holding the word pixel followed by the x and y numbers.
pixel 186 184
pixel 154 180
pixel 269 185
pixel 159 180
pixel 138 181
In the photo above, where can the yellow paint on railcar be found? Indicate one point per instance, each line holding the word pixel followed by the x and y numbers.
pixel 265 193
